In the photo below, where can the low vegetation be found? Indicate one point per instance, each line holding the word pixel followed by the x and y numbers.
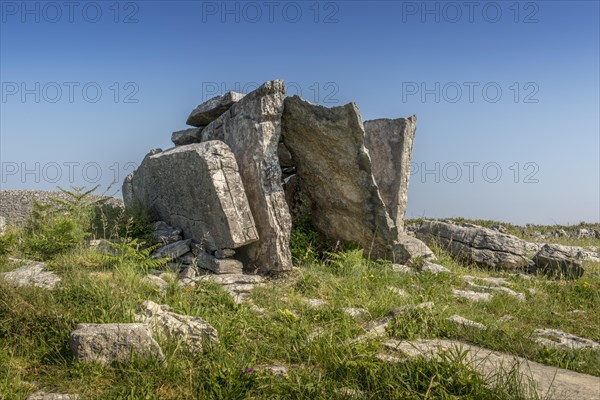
pixel 314 343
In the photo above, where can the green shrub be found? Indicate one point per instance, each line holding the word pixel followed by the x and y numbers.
pixel 59 226
pixel 7 242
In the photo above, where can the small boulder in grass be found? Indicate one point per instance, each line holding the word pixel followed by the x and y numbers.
pixel 111 343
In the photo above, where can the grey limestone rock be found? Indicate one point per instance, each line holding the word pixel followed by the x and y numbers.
pixel 110 343
pixel 252 129
pixel 390 143
pixel 196 188
pixel 474 243
pixel 213 108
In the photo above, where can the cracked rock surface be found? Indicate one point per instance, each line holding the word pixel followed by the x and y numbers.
pixel 474 243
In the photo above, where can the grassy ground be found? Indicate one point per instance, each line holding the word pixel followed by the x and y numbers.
pixel 35 326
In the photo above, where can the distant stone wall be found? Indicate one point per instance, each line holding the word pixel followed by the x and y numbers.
pixel 15 205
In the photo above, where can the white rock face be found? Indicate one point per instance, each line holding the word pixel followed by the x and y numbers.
pixel 191 330
pixel 110 343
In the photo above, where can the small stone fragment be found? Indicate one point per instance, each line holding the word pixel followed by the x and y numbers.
pixel 465 322
pixel 433 268
pixel 224 253
pixel 358 313
pixel 157 282
pixel 173 250
pixel 471 295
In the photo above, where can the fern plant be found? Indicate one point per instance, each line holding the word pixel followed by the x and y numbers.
pixel 59 226
pixel 134 253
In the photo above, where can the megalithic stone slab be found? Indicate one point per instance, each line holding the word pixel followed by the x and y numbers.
pixel 197 188
pixel 334 167
pixel 252 128
pixel 390 143
pixel 212 109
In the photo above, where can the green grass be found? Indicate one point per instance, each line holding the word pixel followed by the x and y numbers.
pixel 35 325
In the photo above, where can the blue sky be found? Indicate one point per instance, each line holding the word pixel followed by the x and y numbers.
pixel 506 93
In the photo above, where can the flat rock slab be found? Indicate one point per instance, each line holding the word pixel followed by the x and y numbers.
pixel 219 266
pixel 471 295
pixel 32 274
pixel 563 340
pixel 551 382
pixel 192 331
pixel 390 143
pixel 165 233
pixel 212 109
pixel 334 167
pixel 196 188
pixel 358 313
pixel 231 279
pixel 173 250
pixel 474 243
pixel 497 289
pixel 187 136
pixel 110 343
pixel 433 268
pixel 252 129
pixel 40 395
pixel 457 319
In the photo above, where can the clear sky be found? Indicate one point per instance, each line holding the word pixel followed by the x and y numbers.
pixel 506 93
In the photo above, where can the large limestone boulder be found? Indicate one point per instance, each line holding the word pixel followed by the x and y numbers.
pixel 336 172
pixel 252 128
pixel 390 143
pixel 212 109
pixel 196 188
pixel 110 343
pixel 480 245
pixel 558 260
